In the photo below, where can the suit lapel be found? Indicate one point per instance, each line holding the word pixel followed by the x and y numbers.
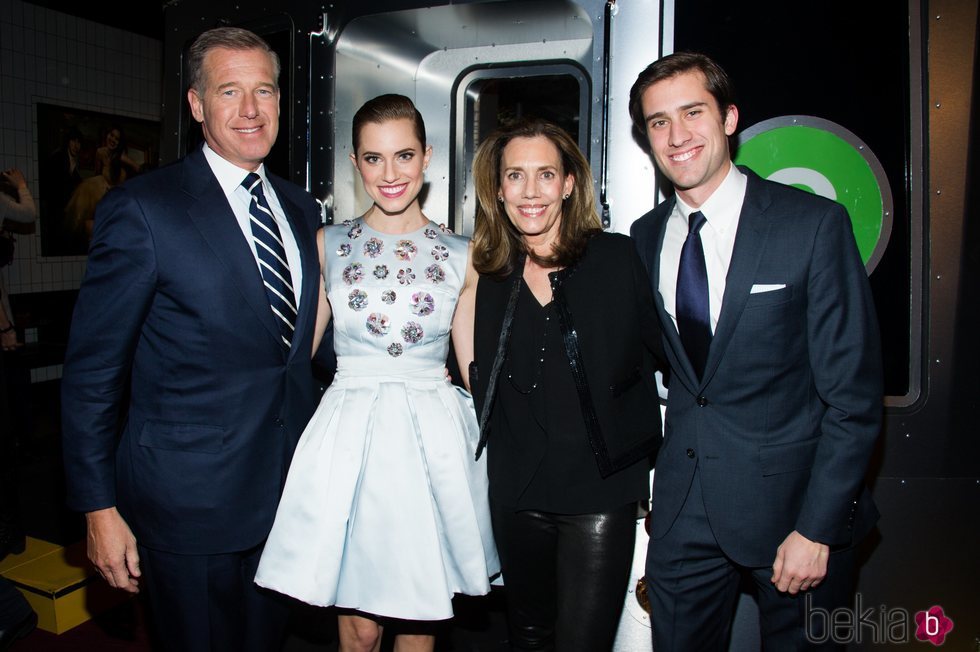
pixel 750 242
pixel 216 222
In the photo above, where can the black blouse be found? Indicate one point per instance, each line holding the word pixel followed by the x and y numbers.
pixel 538 418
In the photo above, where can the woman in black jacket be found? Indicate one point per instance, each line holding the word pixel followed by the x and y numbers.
pixel 565 342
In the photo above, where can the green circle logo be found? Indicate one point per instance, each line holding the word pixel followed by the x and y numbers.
pixel 826 159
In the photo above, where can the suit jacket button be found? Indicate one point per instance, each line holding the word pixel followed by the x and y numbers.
pixel 702 401
pixel 690 453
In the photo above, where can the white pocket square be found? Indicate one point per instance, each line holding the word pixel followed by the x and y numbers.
pixel 766 287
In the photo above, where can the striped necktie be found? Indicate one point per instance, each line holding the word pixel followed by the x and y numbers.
pixel 693 308
pixel 272 259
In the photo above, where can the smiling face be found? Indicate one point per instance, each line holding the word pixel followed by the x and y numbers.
pixel 238 106
pixel 532 185
pixel 391 161
pixel 688 135
pixel 112 139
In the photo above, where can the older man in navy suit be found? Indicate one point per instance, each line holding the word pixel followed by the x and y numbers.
pixel 187 380
pixel 775 394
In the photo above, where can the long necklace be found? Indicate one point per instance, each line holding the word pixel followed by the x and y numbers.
pixel 539 367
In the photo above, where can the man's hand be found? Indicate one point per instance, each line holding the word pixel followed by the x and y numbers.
pixel 800 564
pixel 112 548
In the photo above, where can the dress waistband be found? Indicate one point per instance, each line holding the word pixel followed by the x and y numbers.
pixel 388 369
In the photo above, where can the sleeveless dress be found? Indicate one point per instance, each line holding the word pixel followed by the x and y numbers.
pixel 384 509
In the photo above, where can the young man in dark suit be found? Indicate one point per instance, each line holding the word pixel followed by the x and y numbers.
pixel 180 303
pixel 775 394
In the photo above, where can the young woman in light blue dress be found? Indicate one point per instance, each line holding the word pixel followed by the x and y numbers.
pixel 384 513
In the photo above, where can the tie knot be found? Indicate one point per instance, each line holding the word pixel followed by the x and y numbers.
pixel 695 221
pixel 252 183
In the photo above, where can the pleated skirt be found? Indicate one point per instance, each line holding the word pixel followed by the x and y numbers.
pixel 384 509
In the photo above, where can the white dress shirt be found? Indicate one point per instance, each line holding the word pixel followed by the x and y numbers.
pixel 721 211
pixel 230 178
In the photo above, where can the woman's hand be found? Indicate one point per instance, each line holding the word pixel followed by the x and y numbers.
pixel 9 340
pixel 15 177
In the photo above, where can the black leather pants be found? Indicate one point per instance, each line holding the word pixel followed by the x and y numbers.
pixel 565 576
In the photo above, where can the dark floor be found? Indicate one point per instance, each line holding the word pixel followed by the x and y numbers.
pixel 35 410
pixel 478 627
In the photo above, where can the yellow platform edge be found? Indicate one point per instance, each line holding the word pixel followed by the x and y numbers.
pixel 59 583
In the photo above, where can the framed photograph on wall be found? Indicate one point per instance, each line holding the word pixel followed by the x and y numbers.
pixel 81 155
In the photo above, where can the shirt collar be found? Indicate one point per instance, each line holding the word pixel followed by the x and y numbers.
pixel 722 208
pixel 229 175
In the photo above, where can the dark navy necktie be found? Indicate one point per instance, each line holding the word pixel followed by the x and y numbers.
pixel 272 259
pixel 693 309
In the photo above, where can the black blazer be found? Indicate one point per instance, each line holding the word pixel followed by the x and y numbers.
pixel 782 423
pixel 173 305
pixel 608 298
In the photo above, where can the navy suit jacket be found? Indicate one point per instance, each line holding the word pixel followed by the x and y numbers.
pixel 783 422
pixel 179 403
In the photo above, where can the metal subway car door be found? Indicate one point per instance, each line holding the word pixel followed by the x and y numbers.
pixel 468 67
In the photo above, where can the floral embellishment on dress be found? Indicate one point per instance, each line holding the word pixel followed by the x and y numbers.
pixel 431 233
pixel 389 296
pixel 353 273
pixel 412 332
pixel 377 324
pixel 406 276
pixel 395 349
pixel 373 247
pixel 380 272
pixel 423 304
pixel 357 300
pixel 344 250
pixel 435 273
pixel 355 232
pixel 440 252
pixel 348 222
pixel 446 229
pixel 405 250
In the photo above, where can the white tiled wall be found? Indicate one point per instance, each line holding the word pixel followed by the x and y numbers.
pixel 51 57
